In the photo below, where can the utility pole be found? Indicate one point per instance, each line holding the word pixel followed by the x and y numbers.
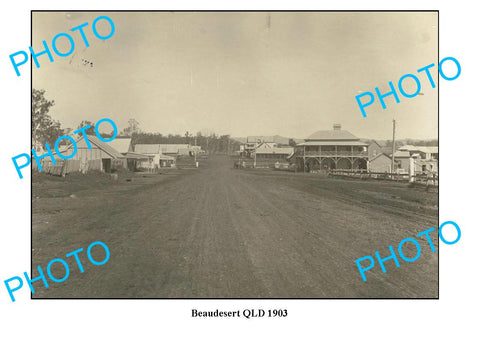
pixel 393 148
pixel 208 152
pixel 255 153
pixel 195 152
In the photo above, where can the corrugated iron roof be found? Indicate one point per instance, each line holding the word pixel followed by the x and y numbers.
pixel 173 148
pixel 277 151
pixel 266 145
pixel 122 145
pixel 339 143
pixel 101 145
pixel 105 147
pixel 147 149
pixel 424 149
pixel 402 154
pixel 428 149
pixel 380 154
pixel 133 155
pixel 332 135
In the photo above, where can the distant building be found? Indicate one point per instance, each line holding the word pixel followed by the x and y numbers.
pixel 156 159
pixel 374 149
pixel 179 149
pixel 268 156
pixel 125 147
pixel 402 162
pixel 99 156
pixel 266 146
pixel 331 149
pixel 425 152
pixel 426 157
pixel 122 145
pixel 380 163
pixel 253 142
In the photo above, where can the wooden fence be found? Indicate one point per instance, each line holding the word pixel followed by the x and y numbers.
pixel 426 179
pixel 61 168
pixel 260 164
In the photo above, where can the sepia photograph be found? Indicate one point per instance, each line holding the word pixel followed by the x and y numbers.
pixel 234 154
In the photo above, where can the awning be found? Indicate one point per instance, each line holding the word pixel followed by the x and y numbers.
pixel 139 156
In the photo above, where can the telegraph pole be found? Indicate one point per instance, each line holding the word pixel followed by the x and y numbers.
pixel 393 147
pixel 255 153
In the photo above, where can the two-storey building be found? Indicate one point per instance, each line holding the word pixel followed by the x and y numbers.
pixel 331 149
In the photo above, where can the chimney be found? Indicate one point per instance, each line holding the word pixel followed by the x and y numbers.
pixel 337 126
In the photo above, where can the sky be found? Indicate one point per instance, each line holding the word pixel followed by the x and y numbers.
pixel 242 73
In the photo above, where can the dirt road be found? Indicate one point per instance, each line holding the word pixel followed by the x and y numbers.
pixel 221 232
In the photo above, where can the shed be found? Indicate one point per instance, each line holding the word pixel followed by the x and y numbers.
pixel 380 163
pixel 156 158
pixel 98 156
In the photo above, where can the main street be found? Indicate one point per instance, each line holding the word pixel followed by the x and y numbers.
pixel 221 232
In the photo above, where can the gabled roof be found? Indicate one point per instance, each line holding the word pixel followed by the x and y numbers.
pixel 375 142
pixel 266 145
pixel 424 149
pixel 99 144
pixel 332 143
pixel 428 149
pixel 380 154
pixel 105 147
pixel 122 145
pixel 332 135
pixel 402 154
pixel 408 148
pixel 147 149
pixel 387 150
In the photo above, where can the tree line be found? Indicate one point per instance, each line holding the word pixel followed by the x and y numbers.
pixel 47 130
pixel 213 144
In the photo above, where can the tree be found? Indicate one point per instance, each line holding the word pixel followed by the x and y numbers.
pixel 52 132
pixel 187 137
pixel 43 127
pixel 89 131
pixel 132 128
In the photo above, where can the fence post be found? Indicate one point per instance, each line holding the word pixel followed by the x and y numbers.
pixel 411 170
pixel 64 171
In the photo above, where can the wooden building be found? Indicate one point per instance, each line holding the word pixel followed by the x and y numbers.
pixel 267 156
pixel 156 159
pixel 331 149
pixel 426 157
pixel 98 157
pixel 125 147
pixel 380 163
pixel 175 149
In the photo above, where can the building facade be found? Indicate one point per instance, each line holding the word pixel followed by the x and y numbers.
pixel 331 149
pixel 267 155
